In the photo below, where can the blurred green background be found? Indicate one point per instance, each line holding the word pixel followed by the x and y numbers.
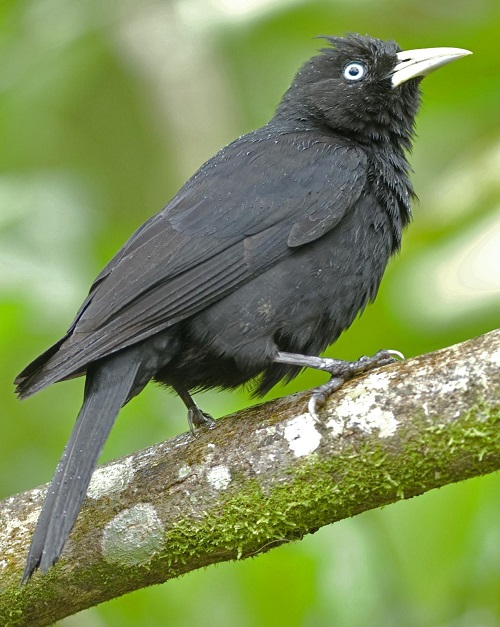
pixel 106 108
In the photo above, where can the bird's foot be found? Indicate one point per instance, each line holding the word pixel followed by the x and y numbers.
pixel 342 371
pixel 198 418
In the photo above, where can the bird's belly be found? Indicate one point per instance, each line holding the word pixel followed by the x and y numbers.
pixel 301 304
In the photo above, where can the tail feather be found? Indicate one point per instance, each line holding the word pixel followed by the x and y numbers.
pixel 35 371
pixel 109 385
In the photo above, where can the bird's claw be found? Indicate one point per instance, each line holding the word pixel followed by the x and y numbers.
pixel 198 419
pixel 397 354
pixel 320 395
pixel 382 358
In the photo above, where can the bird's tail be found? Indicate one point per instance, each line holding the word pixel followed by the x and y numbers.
pixel 109 385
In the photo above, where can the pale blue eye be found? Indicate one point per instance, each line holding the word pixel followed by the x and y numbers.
pixel 354 71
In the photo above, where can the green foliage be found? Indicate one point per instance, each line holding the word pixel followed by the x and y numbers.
pixel 105 110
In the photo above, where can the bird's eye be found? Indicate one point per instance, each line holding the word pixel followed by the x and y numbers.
pixel 354 71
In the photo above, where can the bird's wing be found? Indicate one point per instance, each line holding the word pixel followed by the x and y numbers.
pixel 242 212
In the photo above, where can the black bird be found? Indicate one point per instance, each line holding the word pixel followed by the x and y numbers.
pixel 259 262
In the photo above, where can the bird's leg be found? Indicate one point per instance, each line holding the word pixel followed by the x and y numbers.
pixel 340 370
pixel 196 417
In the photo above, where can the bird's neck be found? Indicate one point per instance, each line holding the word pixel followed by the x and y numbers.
pixel 390 182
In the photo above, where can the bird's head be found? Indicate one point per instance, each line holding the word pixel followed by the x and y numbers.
pixel 363 88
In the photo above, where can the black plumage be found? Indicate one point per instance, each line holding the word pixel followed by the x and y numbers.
pixel 267 253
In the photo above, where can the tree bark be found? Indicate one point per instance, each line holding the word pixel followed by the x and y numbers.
pixel 265 476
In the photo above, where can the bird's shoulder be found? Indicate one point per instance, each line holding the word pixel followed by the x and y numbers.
pixel 268 176
pixel 262 178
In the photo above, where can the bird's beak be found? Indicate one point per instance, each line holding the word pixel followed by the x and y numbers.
pixel 423 61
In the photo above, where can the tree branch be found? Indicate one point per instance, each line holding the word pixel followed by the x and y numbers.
pixel 265 476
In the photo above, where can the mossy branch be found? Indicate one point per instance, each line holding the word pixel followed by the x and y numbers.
pixel 263 477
